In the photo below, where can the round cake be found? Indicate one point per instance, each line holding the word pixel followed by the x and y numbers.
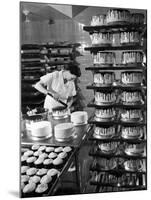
pixel 108 147
pixel 132 57
pixel 134 149
pixel 132 37
pixel 115 16
pixel 132 132
pixel 60 112
pixel 104 58
pixel 133 165
pixel 63 131
pixel 105 97
pixel 131 97
pixel 79 117
pixel 131 115
pixel 41 129
pixel 104 132
pixel 104 39
pixel 105 113
pixel 137 18
pixel 98 20
pixel 106 78
pixel 131 78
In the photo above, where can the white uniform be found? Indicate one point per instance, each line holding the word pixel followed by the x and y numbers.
pixel 55 82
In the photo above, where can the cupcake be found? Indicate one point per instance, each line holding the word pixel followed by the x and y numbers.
pixel 52 155
pixel 28 153
pixel 24 179
pixel 49 149
pixel 37 153
pixel 54 173
pixel 35 179
pixel 58 149
pixel 31 171
pixel 42 148
pixel 46 179
pixel 23 160
pixel 42 189
pixel 24 169
pixel 30 161
pixel 62 155
pixel 39 162
pixel 67 149
pixel 35 147
pixel 48 163
pixel 43 155
pixel 22 185
pixel 42 172
pixel 58 163
pixel 28 190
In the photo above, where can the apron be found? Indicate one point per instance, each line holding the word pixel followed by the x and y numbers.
pixel 64 90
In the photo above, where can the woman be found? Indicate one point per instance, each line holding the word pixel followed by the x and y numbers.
pixel 60 84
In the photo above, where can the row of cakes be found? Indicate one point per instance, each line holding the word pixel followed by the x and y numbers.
pixel 116 16
pixel 111 39
pixel 127 57
pixel 125 114
pixel 125 97
pixel 126 132
pixel 127 78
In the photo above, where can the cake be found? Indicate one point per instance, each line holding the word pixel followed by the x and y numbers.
pixel 109 147
pixel 41 129
pixel 29 188
pixel 49 149
pixel 132 132
pixel 37 153
pixel 98 20
pixel 106 78
pixel 134 149
pixel 39 162
pixel 58 149
pixel 131 97
pixel 58 162
pixel 131 114
pixel 79 117
pixel 30 161
pixel 24 169
pixel 42 148
pixel 35 147
pixel 105 113
pixel 63 131
pixel 137 18
pixel 133 165
pixel 104 58
pixel 104 132
pixel 28 153
pixel 132 37
pixel 53 172
pixel 107 164
pixel 43 155
pixel 132 57
pixel 62 155
pixel 24 178
pixel 115 16
pixel 103 39
pixel 105 97
pixel 131 78
pixel 52 155
pixel 23 159
pixel 60 112
pixel 48 163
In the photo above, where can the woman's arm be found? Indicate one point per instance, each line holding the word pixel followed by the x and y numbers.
pixel 41 88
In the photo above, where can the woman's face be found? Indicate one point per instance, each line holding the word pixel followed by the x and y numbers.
pixel 68 76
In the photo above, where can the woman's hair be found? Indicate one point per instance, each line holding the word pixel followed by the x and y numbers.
pixel 74 69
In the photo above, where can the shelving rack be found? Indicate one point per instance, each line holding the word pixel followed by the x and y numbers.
pixel 100 177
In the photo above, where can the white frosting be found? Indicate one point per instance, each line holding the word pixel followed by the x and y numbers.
pixel 79 117
pixel 101 131
pixel 104 58
pixel 117 16
pixel 105 113
pixel 106 78
pixel 60 113
pixel 63 130
pixel 101 97
pixel 98 20
pixel 131 97
pixel 132 78
pixel 132 57
pixel 101 38
pixel 135 148
pixel 40 129
pixel 129 37
pixel 132 131
pixel 131 114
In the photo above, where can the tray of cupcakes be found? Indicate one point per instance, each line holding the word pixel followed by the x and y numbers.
pixel 41 167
